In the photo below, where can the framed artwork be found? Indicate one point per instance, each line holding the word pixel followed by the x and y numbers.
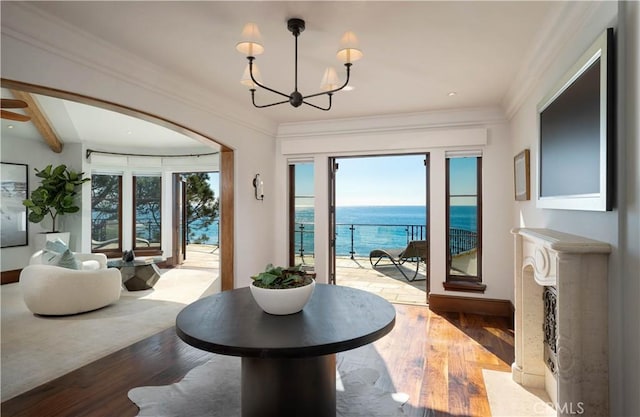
pixel 521 176
pixel 14 186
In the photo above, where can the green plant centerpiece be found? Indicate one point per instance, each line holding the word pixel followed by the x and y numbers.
pixel 282 290
pixel 278 277
pixel 56 194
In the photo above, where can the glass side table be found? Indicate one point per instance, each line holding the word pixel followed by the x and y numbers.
pixel 139 274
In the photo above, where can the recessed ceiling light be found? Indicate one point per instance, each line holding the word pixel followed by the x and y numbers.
pixel 10 127
pixel 129 132
pixel 349 88
pixel 452 93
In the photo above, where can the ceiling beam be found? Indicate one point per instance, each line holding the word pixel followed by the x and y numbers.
pixel 40 121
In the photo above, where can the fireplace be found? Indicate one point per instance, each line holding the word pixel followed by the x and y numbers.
pixel 561 303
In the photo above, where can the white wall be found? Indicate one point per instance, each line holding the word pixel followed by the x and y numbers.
pixel 39 51
pixel 625 336
pixel 435 133
pixel 36 154
pixel 524 132
pixel 619 227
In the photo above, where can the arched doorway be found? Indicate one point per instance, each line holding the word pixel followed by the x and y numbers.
pixel 225 167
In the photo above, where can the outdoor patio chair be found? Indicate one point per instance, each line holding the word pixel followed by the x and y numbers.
pixel 415 251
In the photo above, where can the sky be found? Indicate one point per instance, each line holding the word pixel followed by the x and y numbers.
pixel 386 180
pixel 381 181
pixel 214 183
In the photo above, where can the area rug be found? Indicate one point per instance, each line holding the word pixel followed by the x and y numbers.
pixel 509 399
pixel 37 349
pixel 213 390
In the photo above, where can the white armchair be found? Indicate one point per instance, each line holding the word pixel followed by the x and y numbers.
pixel 53 290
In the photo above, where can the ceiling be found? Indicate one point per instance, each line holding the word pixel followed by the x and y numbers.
pixel 74 122
pixel 415 53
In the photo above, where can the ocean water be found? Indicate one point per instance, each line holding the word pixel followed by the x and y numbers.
pixel 211 233
pixel 359 229
pixel 363 228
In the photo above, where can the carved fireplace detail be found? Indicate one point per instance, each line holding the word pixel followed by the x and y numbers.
pixel 561 302
pixel 550 328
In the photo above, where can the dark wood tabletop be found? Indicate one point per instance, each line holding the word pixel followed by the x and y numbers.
pixel 336 319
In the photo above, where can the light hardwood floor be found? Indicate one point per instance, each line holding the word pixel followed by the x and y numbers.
pixel 435 358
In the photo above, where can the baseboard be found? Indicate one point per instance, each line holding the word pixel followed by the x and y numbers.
pixel 485 306
pixel 8 277
pixel 167 264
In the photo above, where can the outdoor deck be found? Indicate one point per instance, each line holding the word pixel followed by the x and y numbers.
pixel 385 281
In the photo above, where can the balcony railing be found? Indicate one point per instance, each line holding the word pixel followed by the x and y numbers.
pixel 461 240
pixel 108 230
pixel 359 239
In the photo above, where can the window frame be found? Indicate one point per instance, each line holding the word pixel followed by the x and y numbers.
pixel 464 282
pixel 143 250
pixel 292 198
pixel 113 252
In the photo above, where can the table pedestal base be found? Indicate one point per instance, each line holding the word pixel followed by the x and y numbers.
pixel 139 277
pixel 289 387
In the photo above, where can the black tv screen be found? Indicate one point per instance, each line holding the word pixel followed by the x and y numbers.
pixel 576 134
pixel 570 138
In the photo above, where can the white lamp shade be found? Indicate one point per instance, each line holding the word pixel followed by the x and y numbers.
pixel 330 80
pixel 246 76
pixel 251 43
pixel 349 51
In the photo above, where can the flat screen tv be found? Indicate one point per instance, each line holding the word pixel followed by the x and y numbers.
pixel 577 121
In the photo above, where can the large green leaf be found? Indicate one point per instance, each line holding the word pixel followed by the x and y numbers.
pixel 35 217
pixel 59 170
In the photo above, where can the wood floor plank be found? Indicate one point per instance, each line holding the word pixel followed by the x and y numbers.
pixel 100 388
pixel 435 358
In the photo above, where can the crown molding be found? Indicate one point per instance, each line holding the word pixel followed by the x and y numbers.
pixel 562 26
pixel 408 122
pixel 31 25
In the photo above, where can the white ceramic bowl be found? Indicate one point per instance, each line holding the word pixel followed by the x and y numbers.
pixel 282 301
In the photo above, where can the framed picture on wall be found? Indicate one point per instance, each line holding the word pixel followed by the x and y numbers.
pixel 14 186
pixel 521 176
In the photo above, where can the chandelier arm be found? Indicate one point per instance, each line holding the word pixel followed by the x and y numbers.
pixel 262 106
pixel 296 65
pixel 318 107
pixel 348 65
pixel 250 58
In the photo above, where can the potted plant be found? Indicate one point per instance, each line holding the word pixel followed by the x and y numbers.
pixel 56 194
pixel 281 291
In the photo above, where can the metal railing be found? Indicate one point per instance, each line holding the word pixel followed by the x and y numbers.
pixel 353 239
pixel 149 230
pixel 461 240
pixel 103 231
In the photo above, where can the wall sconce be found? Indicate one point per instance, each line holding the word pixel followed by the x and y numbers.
pixel 258 184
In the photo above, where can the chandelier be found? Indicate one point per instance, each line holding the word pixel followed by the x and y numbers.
pixel 251 46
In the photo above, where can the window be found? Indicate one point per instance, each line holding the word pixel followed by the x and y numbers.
pixel 106 213
pixel 301 217
pixel 464 223
pixel 146 213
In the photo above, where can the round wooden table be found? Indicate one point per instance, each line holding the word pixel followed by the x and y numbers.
pixel 288 362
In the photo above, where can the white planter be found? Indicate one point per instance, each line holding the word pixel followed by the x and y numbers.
pixel 282 301
pixel 40 239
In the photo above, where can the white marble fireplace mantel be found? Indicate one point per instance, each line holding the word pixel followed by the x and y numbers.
pixel 577 268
